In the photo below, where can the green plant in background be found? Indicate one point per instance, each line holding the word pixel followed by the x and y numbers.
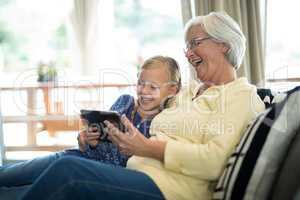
pixel 5 2
pixel 10 41
pixel 18 44
pixel 47 72
pixel 131 13
pixel 148 25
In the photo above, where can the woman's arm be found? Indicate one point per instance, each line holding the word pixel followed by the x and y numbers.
pixel 156 150
pixel 134 143
pixel 185 158
pixel 207 160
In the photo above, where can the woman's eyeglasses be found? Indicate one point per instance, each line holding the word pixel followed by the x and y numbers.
pixel 195 42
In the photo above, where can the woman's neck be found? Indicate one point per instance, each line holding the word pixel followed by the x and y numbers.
pixel 225 74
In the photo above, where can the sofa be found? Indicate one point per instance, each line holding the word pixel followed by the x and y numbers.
pixel 265 163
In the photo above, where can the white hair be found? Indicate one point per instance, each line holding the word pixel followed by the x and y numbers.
pixel 222 28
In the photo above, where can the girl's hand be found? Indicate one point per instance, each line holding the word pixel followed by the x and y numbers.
pixel 88 136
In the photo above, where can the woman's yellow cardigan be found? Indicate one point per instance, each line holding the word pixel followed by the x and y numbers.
pixel 201 134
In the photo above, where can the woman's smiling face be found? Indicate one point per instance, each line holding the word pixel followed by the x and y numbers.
pixel 204 53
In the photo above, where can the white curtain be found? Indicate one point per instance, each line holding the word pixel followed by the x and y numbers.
pixel 248 13
pixel 186 8
pixel 84 20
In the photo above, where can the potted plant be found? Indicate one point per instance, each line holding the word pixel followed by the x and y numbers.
pixel 47 72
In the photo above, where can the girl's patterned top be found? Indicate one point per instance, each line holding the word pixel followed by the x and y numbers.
pixel 107 152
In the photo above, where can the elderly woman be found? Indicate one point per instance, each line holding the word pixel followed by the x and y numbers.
pixel 190 142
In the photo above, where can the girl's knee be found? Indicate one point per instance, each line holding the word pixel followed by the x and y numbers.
pixel 65 161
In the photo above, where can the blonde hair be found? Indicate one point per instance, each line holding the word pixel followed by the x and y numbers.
pixel 170 63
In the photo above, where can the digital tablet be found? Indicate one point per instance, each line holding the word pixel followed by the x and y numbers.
pixel 96 118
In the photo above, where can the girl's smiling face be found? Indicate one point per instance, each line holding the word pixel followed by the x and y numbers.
pixel 154 86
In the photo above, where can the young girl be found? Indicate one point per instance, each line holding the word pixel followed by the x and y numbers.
pixel 159 80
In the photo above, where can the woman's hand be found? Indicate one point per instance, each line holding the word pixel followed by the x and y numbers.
pixel 129 143
pixel 133 142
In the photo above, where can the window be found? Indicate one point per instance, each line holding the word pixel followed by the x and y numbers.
pixel 138 29
pixel 129 31
pixel 33 31
pixel 283 48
